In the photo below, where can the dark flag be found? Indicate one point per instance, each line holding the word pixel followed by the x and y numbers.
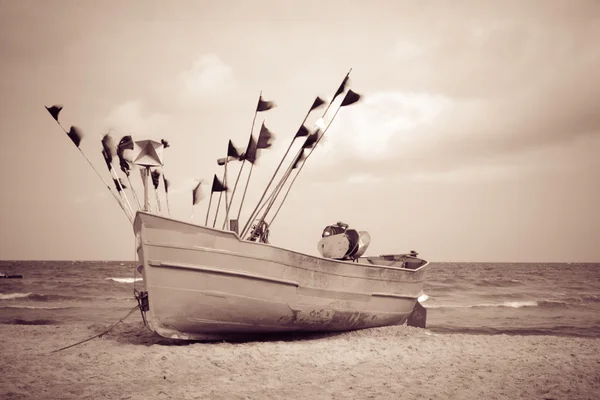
pixel 119 182
pixel 265 138
pixel 318 103
pixel 75 135
pixel 164 143
pixel 312 139
pixel 196 194
pixel 264 105
pixel 166 183
pixel 217 185
pixel 250 154
pixel 108 146
pixel 341 88
pixel 302 132
pixel 107 159
pixel 232 151
pixel 301 157
pixel 350 98
pixel 155 178
pixel 54 111
pixel 126 143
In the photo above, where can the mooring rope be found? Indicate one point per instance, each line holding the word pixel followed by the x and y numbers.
pixel 100 334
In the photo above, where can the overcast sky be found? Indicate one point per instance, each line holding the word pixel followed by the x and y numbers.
pixel 477 138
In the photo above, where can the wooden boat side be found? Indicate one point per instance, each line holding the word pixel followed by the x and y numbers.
pixel 206 283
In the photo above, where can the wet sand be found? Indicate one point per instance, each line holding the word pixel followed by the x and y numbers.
pixel 392 362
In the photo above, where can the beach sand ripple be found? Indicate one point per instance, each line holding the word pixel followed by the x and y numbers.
pixel 132 363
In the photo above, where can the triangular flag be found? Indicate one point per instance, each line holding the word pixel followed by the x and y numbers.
pixel 217 185
pixel 232 151
pixel 166 183
pixel 196 193
pixel 299 158
pixel 55 110
pixel 312 139
pixel 126 143
pixel 317 103
pixel 155 178
pixel 117 184
pixel 265 138
pixel 265 105
pixel 75 135
pixel 302 132
pixel 250 153
pixel 108 147
pixel 350 98
pixel 341 88
pixel 107 159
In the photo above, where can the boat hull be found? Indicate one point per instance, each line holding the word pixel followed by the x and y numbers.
pixel 207 284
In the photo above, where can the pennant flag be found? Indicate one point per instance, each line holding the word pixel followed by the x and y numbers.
pixel 350 98
pixel 107 159
pixel 232 151
pixel 55 110
pixel 197 194
pixel 218 186
pixel 164 143
pixel 109 147
pixel 117 184
pixel 265 138
pixel 312 139
pixel 155 178
pixel 75 135
pixel 166 183
pixel 250 154
pixel 265 105
pixel 301 157
pixel 126 143
pixel 341 88
pixel 318 103
pixel 302 132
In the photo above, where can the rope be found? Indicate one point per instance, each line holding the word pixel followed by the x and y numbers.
pixel 100 334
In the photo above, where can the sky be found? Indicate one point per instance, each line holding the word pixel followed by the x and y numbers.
pixel 477 137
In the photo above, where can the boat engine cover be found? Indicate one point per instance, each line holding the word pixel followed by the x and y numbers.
pixel 345 245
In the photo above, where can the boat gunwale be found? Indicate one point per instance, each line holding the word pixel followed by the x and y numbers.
pixel 195 267
pixel 235 254
pixel 240 240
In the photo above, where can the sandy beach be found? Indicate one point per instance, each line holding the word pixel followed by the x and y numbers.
pixel 392 362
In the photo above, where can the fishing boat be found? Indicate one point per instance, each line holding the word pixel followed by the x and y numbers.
pixel 203 282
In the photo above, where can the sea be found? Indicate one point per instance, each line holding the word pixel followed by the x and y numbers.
pixel 471 298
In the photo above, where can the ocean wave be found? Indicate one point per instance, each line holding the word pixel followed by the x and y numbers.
pixel 35 307
pixel 11 296
pixel 499 282
pixel 508 304
pixel 558 330
pixel 57 297
pixel 124 280
pixel 18 321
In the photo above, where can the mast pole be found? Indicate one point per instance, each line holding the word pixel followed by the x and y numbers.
pixel 290 168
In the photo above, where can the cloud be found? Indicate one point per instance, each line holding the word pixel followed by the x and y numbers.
pixel 130 118
pixel 365 131
pixel 187 184
pixel 471 174
pixel 208 78
pixel 478 88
